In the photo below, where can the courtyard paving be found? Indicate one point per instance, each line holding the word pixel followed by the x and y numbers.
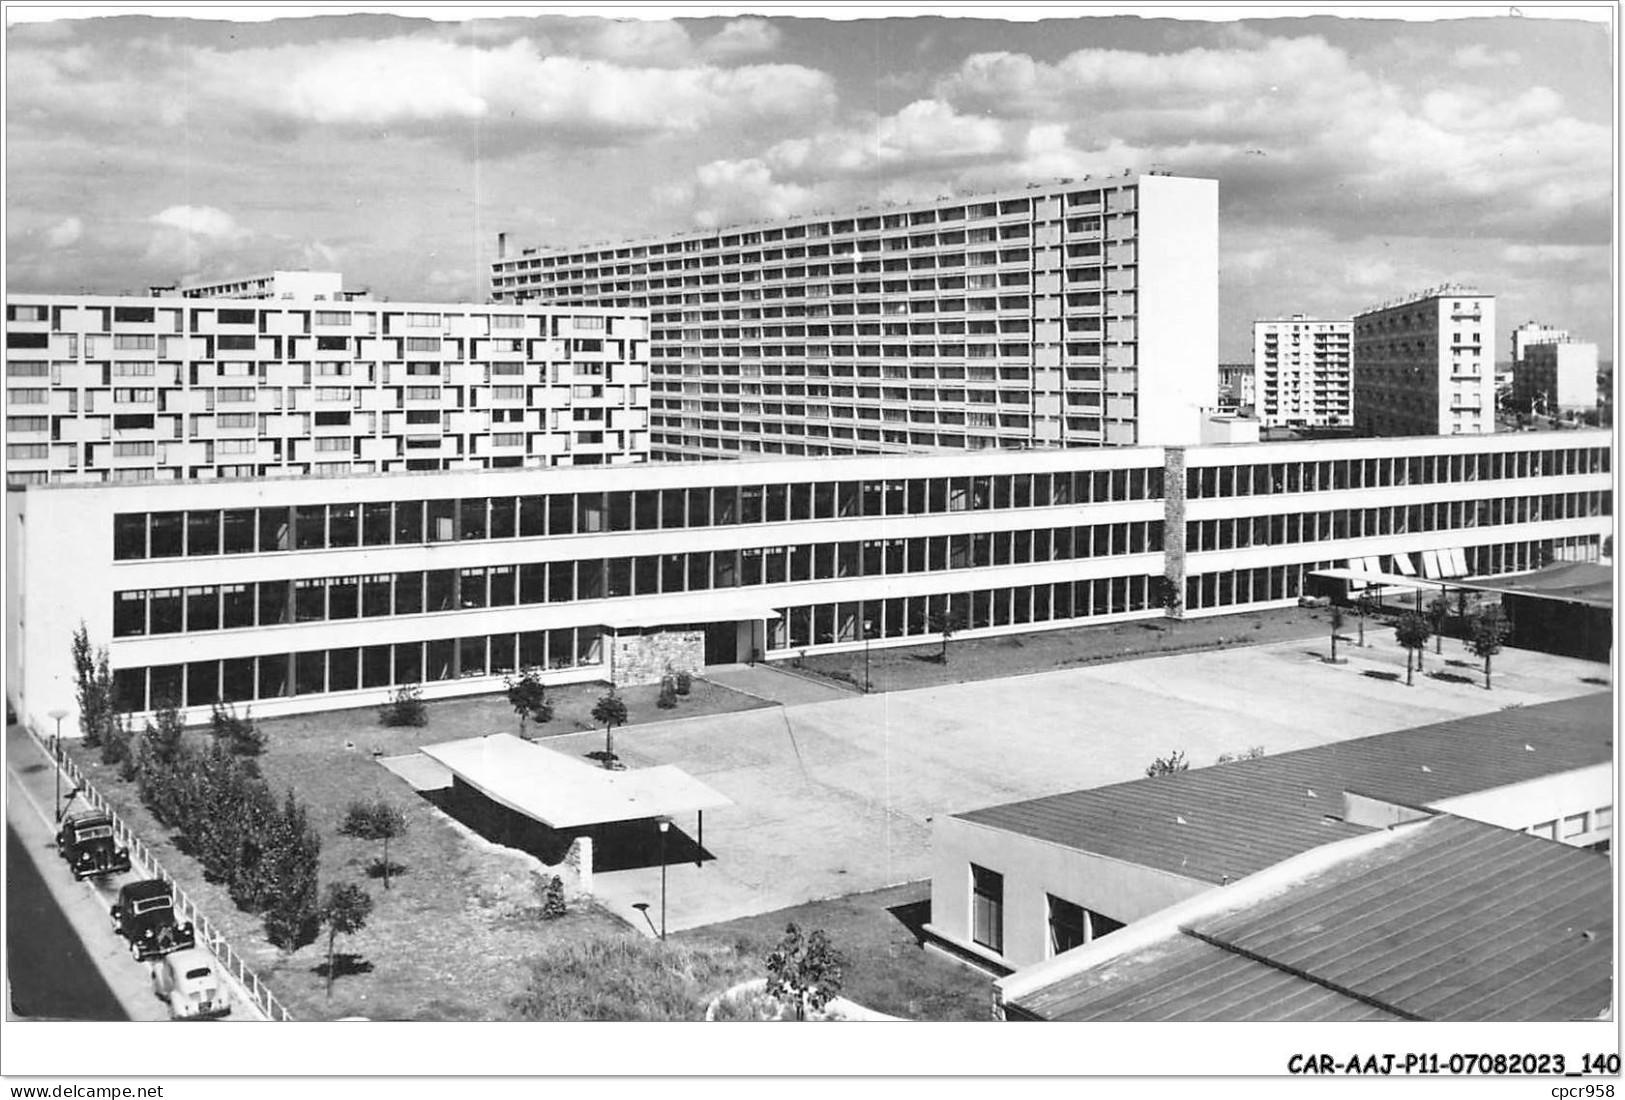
pixel 833 798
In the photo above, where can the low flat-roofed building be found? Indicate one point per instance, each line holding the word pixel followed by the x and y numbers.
pixel 1016 884
pixel 1441 918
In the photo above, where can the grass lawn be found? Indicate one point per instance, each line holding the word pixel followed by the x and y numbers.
pixel 450 938
pixel 886 968
pixel 920 666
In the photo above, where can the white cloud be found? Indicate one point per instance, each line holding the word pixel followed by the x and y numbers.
pixel 200 221
pixel 730 191
pixel 64 233
pixel 742 38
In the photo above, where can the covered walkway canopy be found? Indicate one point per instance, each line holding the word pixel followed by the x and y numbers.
pixel 565 793
pixel 673 610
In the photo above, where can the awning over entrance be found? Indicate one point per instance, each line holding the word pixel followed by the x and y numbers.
pixel 565 793
pixel 708 607
pixel 1384 580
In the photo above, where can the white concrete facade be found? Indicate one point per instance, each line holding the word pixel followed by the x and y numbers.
pixel 1081 313
pixel 321 592
pixel 1425 365
pixel 1303 372
pixel 111 389
pixel 315 286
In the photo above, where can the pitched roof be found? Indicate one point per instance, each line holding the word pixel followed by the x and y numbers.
pixel 1451 920
pixel 1222 823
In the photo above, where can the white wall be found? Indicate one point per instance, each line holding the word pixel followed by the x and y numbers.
pixel 1179 306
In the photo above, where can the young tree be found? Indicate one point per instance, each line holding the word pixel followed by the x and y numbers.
pixel 609 712
pixel 376 820
pixel 1168 765
pixel 237 733
pixel 1337 624
pixel 163 740
pixel 1411 632
pixel 88 686
pixel 1364 605
pixel 292 855
pixel 947 623
pixel 345 909
pixel 668 693
pixel 405 707
pixel 804 970
pixel 1170 598
pixel 528 698
pixel 1438 612
pixel 1490 630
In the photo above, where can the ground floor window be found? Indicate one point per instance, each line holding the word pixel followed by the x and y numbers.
pixel 319 671
pixel 987 908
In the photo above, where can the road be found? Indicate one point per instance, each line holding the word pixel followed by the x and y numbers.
pixel 51 975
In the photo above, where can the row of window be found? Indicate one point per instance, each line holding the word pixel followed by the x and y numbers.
pixel 1347 523
pixel 314 672
pixel 1573 825
pixel 318 599
pixel 139 535
pixel 910 616
pixel 102 318
pixel 1258 479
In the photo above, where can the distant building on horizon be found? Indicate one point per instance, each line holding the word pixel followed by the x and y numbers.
pixel 1556 377
pixel 1424 365
pixel 1303 372
pixel 1078 313
pixel 1237 387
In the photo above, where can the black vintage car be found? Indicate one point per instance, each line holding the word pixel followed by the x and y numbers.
pixel 86 842
pixel 145 916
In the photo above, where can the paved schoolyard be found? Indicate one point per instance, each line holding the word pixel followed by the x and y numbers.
pixel 834 798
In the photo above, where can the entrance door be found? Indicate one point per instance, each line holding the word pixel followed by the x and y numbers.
pixel 721 643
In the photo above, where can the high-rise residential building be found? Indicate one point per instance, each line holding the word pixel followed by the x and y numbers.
pixel 1237 387
pixel 1080 313
pixel 1303 371
pixel 1529 334
pixel 1556 377
pixel 138 388
pixel 1425 364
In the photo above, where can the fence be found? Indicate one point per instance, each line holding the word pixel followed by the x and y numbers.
pixel 185 908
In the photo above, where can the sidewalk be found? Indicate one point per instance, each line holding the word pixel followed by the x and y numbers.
pixel 786 688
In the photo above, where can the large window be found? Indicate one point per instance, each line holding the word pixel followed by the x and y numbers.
pixel 987 908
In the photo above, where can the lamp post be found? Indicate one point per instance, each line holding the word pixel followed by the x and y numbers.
pixel 868 629
pixel 56 759
pixel 665 824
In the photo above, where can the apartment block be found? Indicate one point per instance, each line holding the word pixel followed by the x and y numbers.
pixel 1556 377
pixel 121 389
pixel 1082 313
pixel 1425 365
pixel 302 594
pixel 318 286
pixel 1303 372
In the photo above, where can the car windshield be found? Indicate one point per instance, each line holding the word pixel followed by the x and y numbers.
pixel 95 832
pixel 151 905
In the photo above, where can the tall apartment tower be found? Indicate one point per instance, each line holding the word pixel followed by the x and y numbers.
pixel 142 388
pixel 1424 365
pixel 1303 372
pixel 1079 314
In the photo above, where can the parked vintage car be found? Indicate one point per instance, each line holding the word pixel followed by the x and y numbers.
pixel 144 915
pixel 189 983
pixel 86 842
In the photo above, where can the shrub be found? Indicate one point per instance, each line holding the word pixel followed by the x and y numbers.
pixel 237 733
pixel 405 707
pixel 804 972
pixel 668 694
pixel 553 904
pixel 685 682
pixel 1168 765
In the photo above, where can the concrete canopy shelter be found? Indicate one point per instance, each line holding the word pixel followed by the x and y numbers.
pixel 563 793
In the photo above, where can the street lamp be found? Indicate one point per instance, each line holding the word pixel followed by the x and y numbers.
pixel 56 758
pixel 665 824
pixel 868 629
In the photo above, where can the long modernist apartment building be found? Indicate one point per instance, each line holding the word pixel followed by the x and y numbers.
pixel 1080 313
pixel 320 592
pixel 128 388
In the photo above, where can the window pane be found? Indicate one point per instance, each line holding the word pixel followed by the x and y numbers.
pixel 342 524
pixel 166 535
pixel 202 533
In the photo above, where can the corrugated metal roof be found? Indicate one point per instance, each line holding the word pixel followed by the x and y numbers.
pixel 1221 823
pixel 1455 920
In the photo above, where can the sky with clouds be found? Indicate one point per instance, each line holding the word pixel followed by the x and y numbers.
pixel 1358 158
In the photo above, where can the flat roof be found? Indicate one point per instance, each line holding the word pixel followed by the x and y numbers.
pixel 1577 582
pixel 565 793
pixel 1448 919
pixel 1221 823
